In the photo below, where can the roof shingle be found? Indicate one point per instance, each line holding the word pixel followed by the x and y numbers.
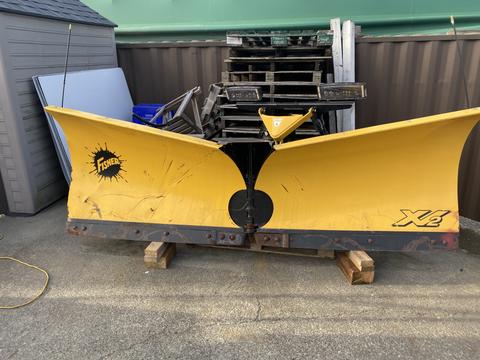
pixel 67 10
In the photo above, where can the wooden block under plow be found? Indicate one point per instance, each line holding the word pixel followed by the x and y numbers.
pixel 159 254
pixel 357 266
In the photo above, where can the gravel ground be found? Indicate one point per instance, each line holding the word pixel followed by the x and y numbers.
pixel 212 303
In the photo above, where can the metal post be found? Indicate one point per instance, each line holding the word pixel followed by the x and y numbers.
pixel 66 61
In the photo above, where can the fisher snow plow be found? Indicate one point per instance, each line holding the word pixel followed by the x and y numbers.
pixel 387 187
pixel 265 162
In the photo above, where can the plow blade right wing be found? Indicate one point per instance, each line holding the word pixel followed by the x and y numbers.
pixel 388 187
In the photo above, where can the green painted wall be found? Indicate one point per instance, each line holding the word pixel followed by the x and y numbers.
pixel 154 20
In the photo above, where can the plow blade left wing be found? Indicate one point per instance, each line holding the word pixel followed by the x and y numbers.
pixel 134 182
pixel 388 187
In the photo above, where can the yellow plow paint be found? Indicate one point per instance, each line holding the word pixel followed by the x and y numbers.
pixel 388 187
pixel 132 173
pixel 371 179
pixel 280 127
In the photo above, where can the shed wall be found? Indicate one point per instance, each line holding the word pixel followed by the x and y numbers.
pixel 406 77
pixel 35 46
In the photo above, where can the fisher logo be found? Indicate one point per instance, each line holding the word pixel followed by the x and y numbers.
pixel 421 218
pixel 107 164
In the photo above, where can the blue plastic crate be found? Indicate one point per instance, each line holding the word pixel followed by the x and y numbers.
pixel 147 111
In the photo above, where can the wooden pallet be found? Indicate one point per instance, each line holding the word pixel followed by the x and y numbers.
pixel 357 266
pixel 274 39
pixel 324 254
pixel 271 76
pixel 271 64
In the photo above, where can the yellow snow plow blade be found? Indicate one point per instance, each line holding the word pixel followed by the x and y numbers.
pixel 280 127
pixel 388 187
pixel 399 177
pixel 129 173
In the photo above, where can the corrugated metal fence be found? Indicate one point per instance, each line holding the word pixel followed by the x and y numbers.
pixel 160 72
pixel 406 77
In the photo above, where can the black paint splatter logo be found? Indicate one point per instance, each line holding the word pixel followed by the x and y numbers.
pixel 107 164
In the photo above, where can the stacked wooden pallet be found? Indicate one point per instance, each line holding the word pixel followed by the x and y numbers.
pixel 357 266
pixel 290 70
pixel 282 74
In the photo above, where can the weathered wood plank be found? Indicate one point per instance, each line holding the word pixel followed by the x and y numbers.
pixel 361 260
pixel 159 254
pixel 352 273
pixel 276 59
pixel 326 254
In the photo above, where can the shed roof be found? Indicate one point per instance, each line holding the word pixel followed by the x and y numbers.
pixel 66 10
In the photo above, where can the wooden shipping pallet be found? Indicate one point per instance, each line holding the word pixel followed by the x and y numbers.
pixel 286 63
pixel 273 65
pixel 357 266
pixel 271 77
pixel 282 38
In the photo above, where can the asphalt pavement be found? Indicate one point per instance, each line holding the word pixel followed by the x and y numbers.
pixel 102 303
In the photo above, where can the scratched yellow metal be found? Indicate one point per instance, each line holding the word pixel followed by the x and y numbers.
pixel 395 177
pixel 132 173
pixel 280 127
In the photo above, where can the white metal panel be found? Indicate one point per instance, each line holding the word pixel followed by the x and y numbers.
pixel 348 37
pixel 102 92
pixel 337 55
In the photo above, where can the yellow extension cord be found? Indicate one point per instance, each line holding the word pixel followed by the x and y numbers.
pixel 40 293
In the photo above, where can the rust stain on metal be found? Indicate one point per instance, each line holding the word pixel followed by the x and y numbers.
pixel 95 207
pixel 450 241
